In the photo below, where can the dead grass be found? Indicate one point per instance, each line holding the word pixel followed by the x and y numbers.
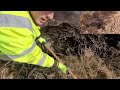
pixel 87 66
pixel 90 66
pixel 100 22
pixel 6 74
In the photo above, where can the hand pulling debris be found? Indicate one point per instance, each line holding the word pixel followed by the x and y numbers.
pixel 58 59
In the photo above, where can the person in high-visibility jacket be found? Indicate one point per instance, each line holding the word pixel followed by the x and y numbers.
pixel 18 32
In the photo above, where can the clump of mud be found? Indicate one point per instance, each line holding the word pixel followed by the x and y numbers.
pixel 68 41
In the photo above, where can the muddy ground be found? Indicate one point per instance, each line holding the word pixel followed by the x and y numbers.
pixel 88 51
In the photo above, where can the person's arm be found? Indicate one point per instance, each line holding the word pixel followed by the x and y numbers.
pixel 37 57
pixel 18 52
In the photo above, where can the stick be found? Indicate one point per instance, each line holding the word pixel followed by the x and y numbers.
pixel 57 58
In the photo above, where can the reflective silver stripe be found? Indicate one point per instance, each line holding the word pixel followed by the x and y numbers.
pixel 23 53
pixel 42 59
pixel 15 21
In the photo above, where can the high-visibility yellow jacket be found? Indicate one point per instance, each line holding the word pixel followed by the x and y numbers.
pixel 17 39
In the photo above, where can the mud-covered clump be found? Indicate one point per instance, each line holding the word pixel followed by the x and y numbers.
pixel 67 41
pixel 64 38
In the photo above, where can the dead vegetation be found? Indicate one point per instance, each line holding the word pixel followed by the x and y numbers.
pixel 90 53
pixel 90 66
pixel 100 22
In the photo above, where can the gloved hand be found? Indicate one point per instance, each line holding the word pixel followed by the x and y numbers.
pixel 42 40
pixel 62 67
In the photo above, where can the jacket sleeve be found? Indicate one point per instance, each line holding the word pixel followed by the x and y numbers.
pixel 35 56
pixel 24 50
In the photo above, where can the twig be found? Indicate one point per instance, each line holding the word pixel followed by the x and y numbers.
pixel 5 64
pixel 32 72
pixel 58 59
